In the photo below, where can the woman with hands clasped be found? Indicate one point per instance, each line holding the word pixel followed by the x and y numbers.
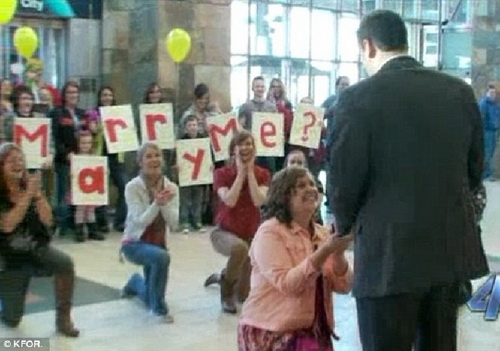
pixel 25 221
pixel 153 209
pixel 241 187
pixel 296 265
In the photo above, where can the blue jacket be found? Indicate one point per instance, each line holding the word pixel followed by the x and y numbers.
pixel 489 112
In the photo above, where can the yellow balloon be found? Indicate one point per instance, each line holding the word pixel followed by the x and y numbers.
pixel 7 10
pixel 178 44
pixel 25 41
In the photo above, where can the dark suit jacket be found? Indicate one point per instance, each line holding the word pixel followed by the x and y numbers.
pixel 407 150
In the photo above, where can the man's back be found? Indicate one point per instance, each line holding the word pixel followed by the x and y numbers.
pixel 416 137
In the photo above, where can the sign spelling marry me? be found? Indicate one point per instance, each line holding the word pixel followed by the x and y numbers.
pixel 89 180
pixel 32 135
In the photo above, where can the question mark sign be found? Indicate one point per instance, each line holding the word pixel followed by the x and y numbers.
pixel 305 135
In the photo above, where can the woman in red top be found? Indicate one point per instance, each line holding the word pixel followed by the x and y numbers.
pixel 241 187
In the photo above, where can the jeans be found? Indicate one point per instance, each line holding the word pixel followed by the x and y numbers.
pixel 490 141
pixel 119 179
pixel 192 201
pixel 62 209
pixel 150 288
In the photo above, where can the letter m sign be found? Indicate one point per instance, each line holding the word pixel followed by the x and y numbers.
pixel 487 299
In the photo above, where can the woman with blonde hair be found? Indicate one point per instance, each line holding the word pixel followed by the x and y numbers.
pixel 153 210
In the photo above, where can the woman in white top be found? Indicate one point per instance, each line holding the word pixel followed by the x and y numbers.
pixel 153 208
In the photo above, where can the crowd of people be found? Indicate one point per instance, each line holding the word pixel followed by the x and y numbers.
pixel 385 163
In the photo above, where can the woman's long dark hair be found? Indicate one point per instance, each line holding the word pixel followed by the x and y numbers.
pixel 5 150
pixel 148 91
pixel 65 88
pixel 105 87
pixel 280 192
pixel 16 95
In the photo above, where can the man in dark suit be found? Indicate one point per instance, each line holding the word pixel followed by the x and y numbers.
pixel 407 152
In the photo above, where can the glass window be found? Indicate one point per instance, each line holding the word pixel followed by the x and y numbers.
pixel 392 5
pixel 299 32
pixel 327 4
pixel 239 80
pixel 368 6
pixel 268 29
pixel 304 3
pixel 350 5
pixel 350 70
pixel 239 27
pixel 410 9
pixel 51 50
pixel 457 11
pixel 323 79
pixel 457 46
pixel 430 10
pixel 299 80
pixel 347 38
pixel 323 35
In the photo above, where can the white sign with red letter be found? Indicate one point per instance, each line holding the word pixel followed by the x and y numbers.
pixel 268 131
pixel 195 162
pixel 89 180
pixel 119 128
pixel 157 124
pixel 33 136
pixel 221 129
pixel 306 126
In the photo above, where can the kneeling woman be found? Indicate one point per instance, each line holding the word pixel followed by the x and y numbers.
pixel 153 208
pixel 25 219
pixel 296 265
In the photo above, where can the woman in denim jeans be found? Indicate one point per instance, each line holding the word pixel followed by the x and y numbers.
pixel 153 208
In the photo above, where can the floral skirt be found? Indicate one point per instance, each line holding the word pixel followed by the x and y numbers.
pixel 255 339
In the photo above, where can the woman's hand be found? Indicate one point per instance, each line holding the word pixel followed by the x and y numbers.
pixel 337 245
pixel 240 166
pixel 48 162
pixel 33 184
pixel 164 196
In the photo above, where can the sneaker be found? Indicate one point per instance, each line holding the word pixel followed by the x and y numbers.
pixel 163 318
pixel 199 227
pixel 184 228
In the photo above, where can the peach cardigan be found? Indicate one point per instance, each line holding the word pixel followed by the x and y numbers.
pixel 283 280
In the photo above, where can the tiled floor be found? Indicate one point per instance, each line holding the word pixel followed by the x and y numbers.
pixel 123 325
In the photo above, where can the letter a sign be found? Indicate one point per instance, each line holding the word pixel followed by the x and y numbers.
pixel 33 136
pixel 119 128
pixel 89 180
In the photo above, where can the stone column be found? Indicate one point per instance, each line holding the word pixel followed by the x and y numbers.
pixel 129 47
pixel 209 24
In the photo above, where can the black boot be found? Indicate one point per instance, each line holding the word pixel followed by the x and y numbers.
pixel 79 233
pixel 226 296
pixel 93 232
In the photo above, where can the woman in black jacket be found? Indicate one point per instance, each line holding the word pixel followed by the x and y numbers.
pixel 66 120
